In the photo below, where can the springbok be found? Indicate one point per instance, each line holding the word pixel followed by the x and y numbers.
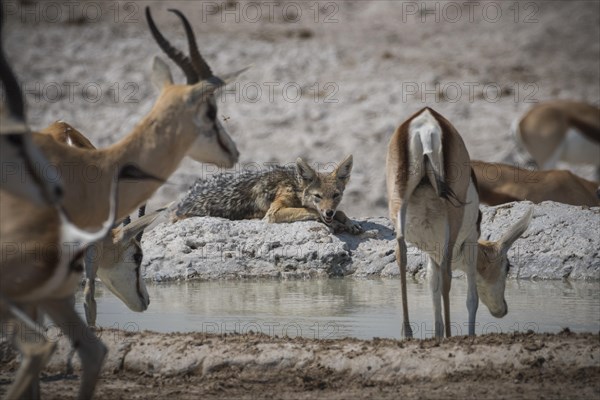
pixel 119 266
pixel 433 203
pixel 503 183
pixel 39 269
pixel 182 122
pixel 560 130
pixel 117 259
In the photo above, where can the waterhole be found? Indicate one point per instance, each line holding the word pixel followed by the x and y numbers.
pixel 337 308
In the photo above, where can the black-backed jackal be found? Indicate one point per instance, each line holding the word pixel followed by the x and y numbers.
pixel 275 194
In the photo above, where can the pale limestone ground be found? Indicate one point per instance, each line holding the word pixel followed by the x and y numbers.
pixel 363 67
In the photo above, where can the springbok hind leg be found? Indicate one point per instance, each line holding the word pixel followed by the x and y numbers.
pixel 90 349
pixel 401 259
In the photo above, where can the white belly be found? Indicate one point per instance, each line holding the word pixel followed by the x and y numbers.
pixel 578 149
pixel 426 225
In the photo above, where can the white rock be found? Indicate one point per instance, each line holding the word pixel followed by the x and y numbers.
pixel 561 242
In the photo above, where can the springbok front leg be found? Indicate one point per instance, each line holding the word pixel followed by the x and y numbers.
pixel 446 278
pixel 89 304
pixel 470 254
pixel 434 275
pixel 29 338
pixel 440 280
pixel 90 349
pixel 455 218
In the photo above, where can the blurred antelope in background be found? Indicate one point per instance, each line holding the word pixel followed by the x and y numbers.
pixel 503 183
pixel 434 204
pixel 560 130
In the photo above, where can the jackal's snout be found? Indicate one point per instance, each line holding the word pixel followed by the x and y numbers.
pixel 328 215
pixel 323 191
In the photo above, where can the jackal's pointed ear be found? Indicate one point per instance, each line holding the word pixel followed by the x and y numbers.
pixel 161 74
pixel 305 171
pixel 343 170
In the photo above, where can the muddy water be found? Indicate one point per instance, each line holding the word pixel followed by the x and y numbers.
pixel 338 308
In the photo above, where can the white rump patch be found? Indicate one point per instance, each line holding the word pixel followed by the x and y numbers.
pixel 425 140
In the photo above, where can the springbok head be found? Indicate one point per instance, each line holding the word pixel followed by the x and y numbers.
pixel 194 103
pixel 493 266
pixel 121 260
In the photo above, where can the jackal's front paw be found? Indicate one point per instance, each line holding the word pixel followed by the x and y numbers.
pixel 353 227
pixel 349 226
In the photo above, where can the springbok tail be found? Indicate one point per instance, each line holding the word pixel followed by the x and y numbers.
pixel 436 178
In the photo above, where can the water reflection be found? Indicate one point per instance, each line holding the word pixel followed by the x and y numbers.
pixel 337 308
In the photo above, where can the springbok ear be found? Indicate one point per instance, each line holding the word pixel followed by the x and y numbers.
pixel 305 171
pixel 161 74
pixel 205 88
pixel 232 76
pixel 515 231
pixel 10 125
pixel 131 230
pixel 343 170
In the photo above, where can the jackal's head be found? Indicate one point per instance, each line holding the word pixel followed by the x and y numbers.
pixel 323 191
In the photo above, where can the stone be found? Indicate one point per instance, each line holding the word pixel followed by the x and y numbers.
pixel 561 242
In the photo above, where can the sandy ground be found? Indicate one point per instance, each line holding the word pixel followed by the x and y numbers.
pixel 190 366
pixel 327 81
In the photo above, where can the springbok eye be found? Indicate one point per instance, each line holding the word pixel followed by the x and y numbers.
pixel 318 196
pixel 336 195
pixel 138 257
pixel 211 112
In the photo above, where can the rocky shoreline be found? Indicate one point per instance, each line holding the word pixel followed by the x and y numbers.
pixel 562 242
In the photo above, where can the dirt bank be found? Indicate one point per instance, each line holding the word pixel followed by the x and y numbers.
pixel 148 365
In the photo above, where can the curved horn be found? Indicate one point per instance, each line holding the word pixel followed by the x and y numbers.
pixel 14 96
pixel 178 57
pixel 198 61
